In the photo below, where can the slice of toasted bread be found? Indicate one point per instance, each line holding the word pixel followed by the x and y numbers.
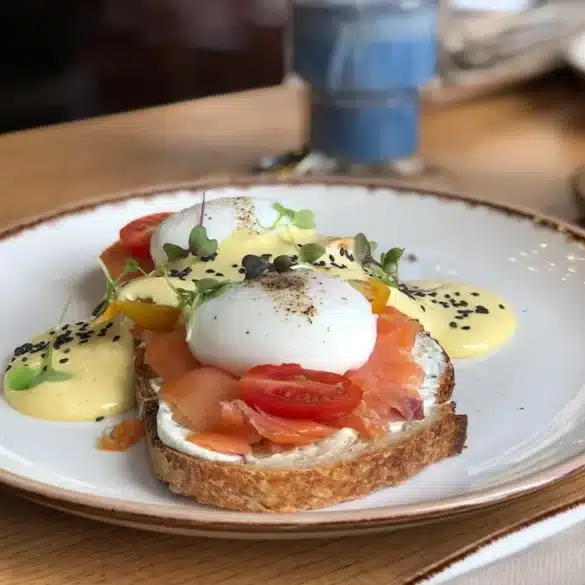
pixel 252 488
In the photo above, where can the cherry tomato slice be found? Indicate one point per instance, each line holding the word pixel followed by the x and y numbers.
pixel 135 236
pixel 290 391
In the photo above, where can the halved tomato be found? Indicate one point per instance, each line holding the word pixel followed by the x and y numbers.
pixel 135 236
pixel 292 392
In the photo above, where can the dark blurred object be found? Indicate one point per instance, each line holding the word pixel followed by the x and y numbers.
pixel 65 59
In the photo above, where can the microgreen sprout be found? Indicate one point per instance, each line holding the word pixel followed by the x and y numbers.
pixel 205 289
pixel 385 270
pixel 25 377
pixel 199 245
pixel 303 219
pixel 256 266
pixel 310 253
pixel 113 285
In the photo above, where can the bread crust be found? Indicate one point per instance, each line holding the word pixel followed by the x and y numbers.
pixel 249 488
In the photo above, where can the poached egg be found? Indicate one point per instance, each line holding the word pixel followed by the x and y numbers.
pixel 221 218
pixel 305 317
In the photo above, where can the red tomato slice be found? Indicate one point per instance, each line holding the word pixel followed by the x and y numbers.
pixel 290 391
pixel 135 236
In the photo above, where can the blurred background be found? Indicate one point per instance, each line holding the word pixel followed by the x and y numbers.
pixel 62 60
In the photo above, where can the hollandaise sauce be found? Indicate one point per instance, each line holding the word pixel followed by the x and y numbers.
pixel 227 263
pixel 98 367
pixel 466 320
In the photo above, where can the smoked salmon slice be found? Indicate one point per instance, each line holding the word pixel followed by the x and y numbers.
pixel 234 422
pixel 221 443
pixel 115 256
pixel 390 379
pixel 365 420
pixel 195 398
pixel 168 354
pixel 284 431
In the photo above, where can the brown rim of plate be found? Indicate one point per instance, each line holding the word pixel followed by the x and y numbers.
pixel 218 522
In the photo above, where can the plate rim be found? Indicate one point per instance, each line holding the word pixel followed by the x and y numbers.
pixel 230 522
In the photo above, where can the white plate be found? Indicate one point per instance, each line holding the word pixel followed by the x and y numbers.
pixel 526 403
pixel 575 53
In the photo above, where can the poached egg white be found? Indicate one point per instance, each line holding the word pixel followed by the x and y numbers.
pixel 304 317
pixel 222 217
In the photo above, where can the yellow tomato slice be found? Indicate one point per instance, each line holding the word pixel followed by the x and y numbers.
pixel 149 315
pixel 375 291
pixel 109 314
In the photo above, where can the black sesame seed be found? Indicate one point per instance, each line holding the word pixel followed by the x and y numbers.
pixel 453 324
pixel 8 367
pixel 331 258
pixel 210 271
pixel 457 294
pixel 110 324
pixel 432 294
pixel 502 307
pixel 22 349
pixel 247 333
pixel 342 251
pixel 44 369
pixel 79 323
pixel 116 338
pixel 234 265
pixel 24 359
pixel 447 296
pixel 52 332
pixel 63 360
pixel 466 327
pixel 460 317
pixel 350 257
pixel 423 309
pixel 12 358
pixel 67 350
pixel 481 309
pixel 215 318
pixel 321 263
pixel 474 294
pixel 219 274
pixel 99 419
pixel 65 327
pixel 434 301
pixel 83 341
pixel 43 355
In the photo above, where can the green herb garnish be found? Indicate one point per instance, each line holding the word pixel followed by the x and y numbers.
pixel 386 270
pixel 310 253
pixel 303 219
pixel 199 245
pixel 175 252
pixel 205 289
pixel 25 377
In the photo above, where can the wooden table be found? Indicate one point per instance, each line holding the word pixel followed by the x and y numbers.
pixel 518 147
